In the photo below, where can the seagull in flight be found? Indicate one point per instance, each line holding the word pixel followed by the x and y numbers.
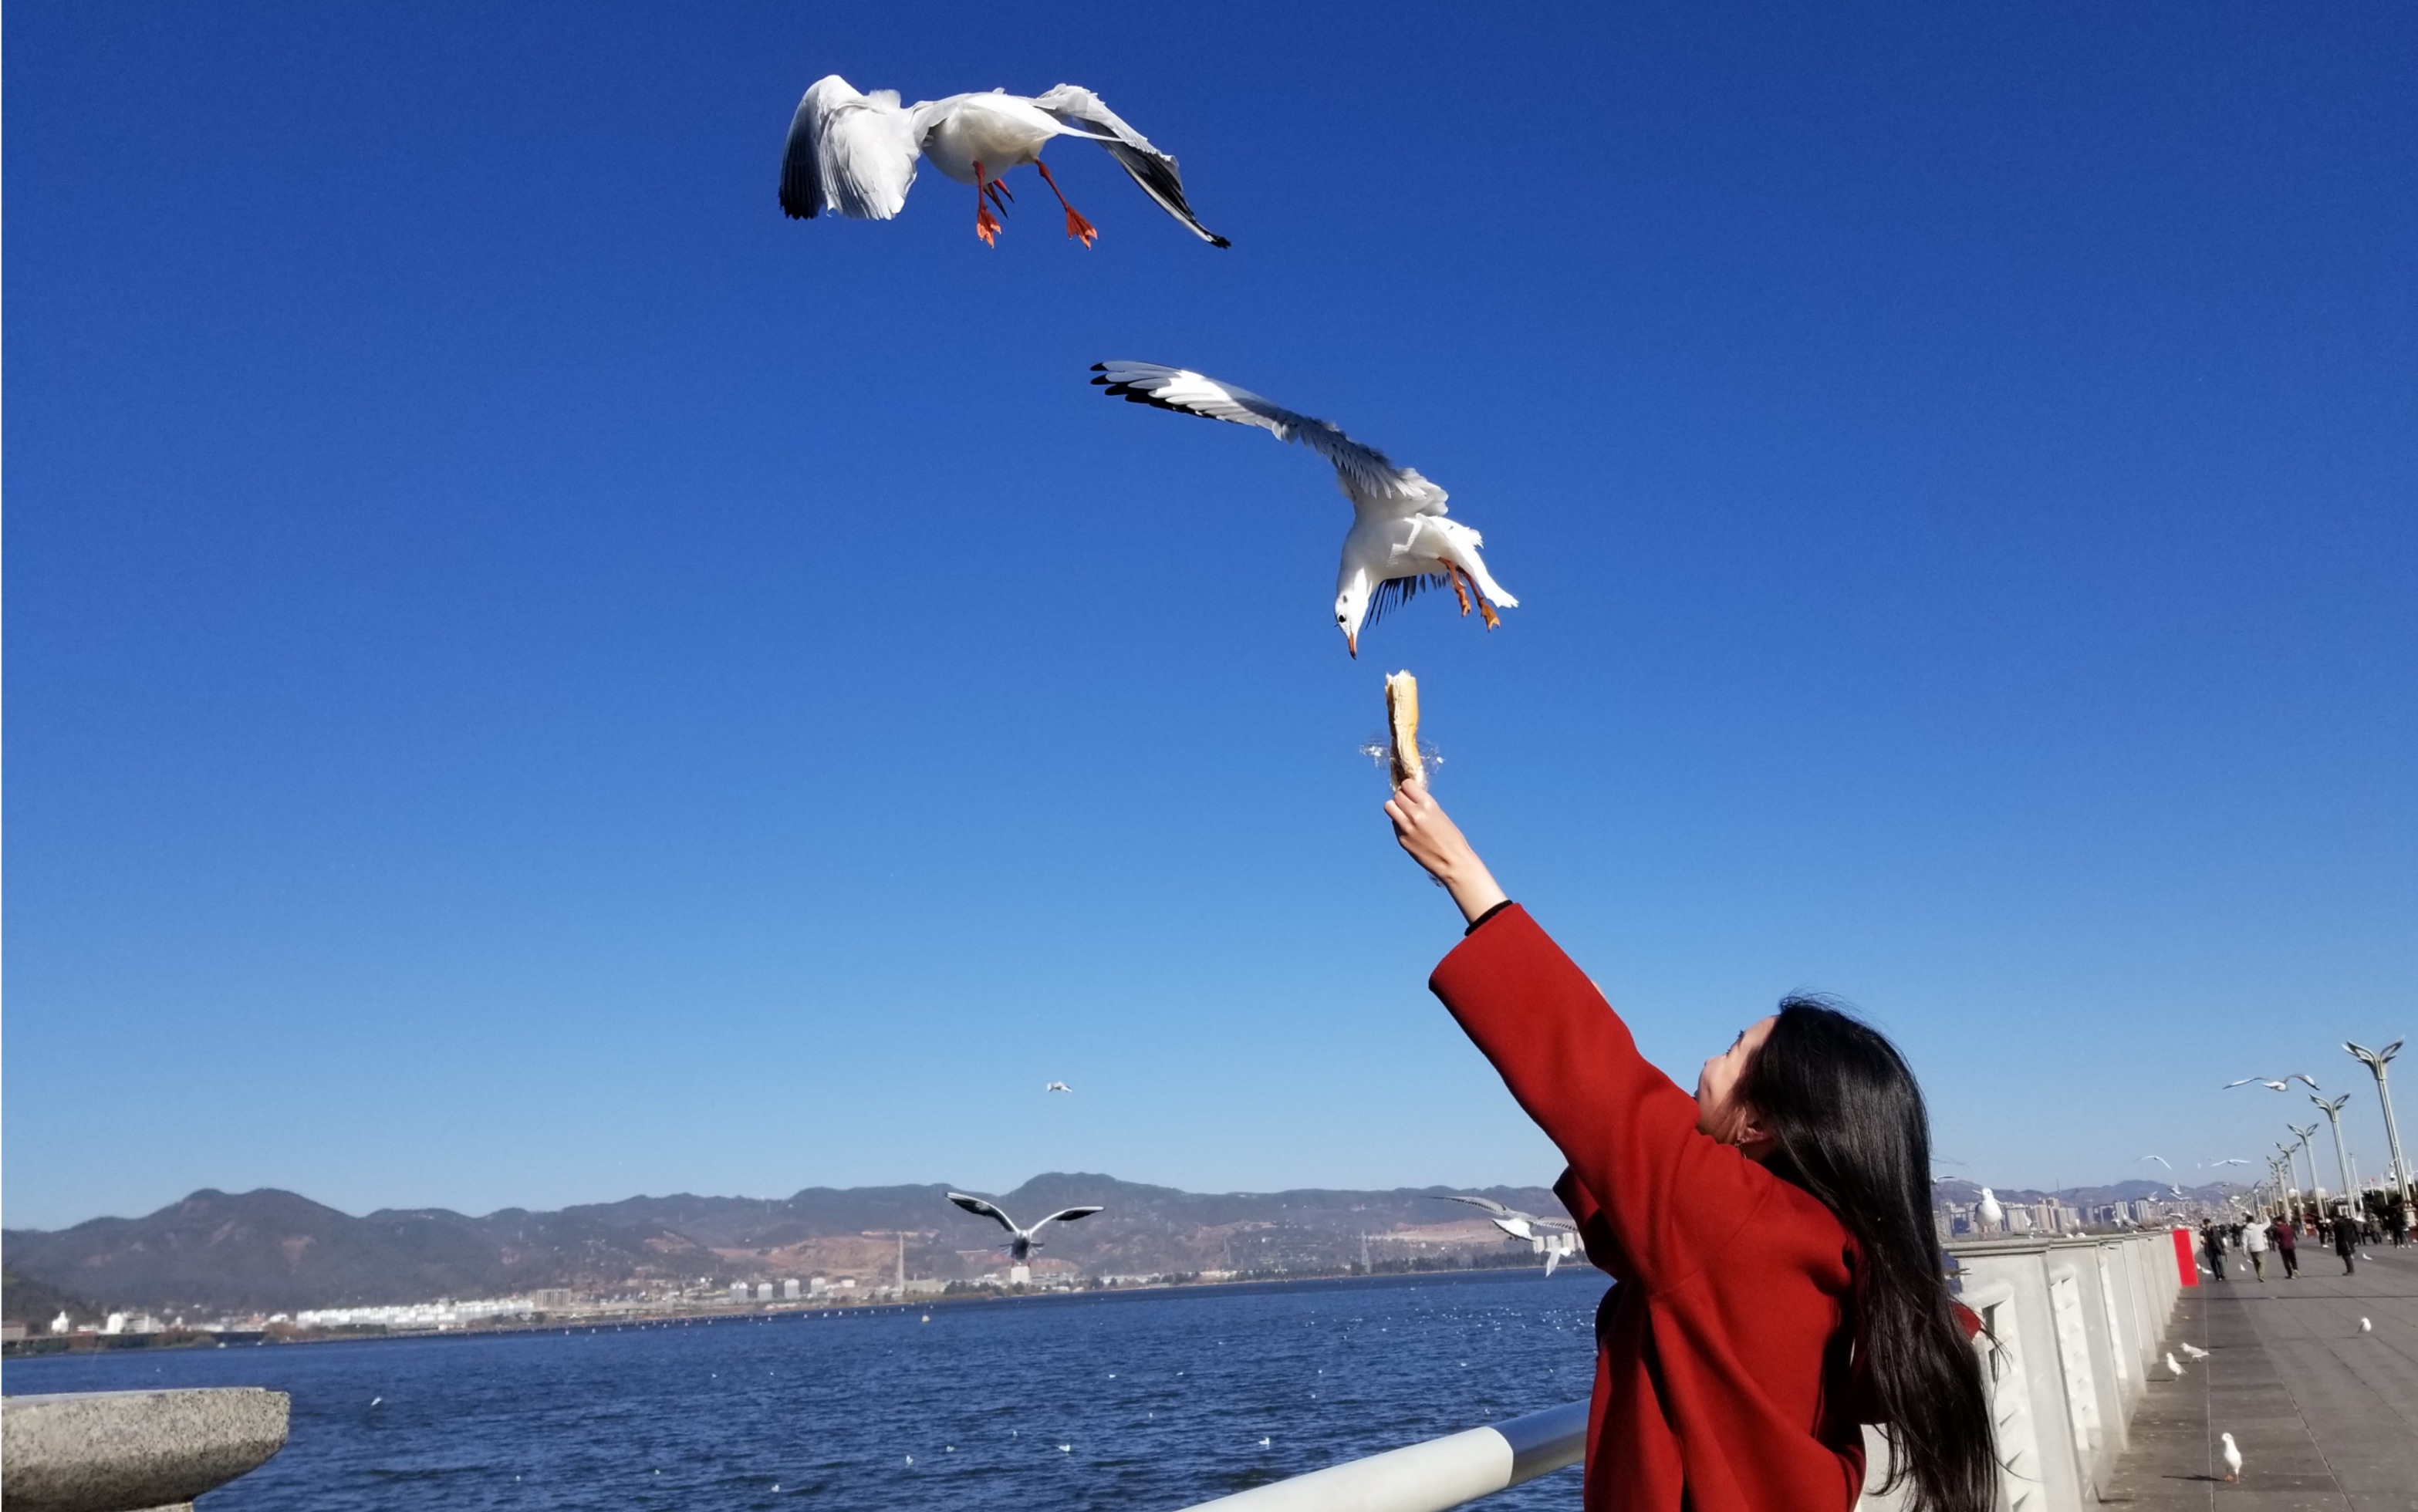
pixel 2163 1161
pixel 854 154
pixel 1400 540
pixel 1020 1244
pixel 1526 1226
pixel 1057 1086
pixel 2284 1085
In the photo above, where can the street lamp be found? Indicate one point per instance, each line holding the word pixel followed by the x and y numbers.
pixel 2375 1060
pixel 2291 1176
pixel 2317 1188
pixel 2334 1115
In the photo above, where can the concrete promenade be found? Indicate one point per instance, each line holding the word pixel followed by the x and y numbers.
pixel 2326 1417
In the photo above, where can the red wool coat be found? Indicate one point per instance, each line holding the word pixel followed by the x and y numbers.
pixel 1722 1375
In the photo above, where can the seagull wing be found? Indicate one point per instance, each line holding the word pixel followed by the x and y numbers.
pixel 1487 1202
pixel 2303 1076
pixel 1067 1215
pixel 2244 1083
pixel 976 1204
pixel 1084 113
pixel 1369 476
pixel 847 152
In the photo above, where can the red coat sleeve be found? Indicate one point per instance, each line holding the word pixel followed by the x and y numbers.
pixel 1673 1197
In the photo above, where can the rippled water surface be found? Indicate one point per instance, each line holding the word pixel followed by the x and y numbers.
pixel 1142 1401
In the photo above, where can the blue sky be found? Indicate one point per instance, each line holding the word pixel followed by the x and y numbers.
pixel 532 679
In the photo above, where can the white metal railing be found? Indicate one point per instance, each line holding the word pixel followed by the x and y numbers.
pixel 2058 1414
pixel 1430 1476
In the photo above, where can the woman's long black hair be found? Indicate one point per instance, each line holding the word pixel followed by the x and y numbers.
pixel 1849 1128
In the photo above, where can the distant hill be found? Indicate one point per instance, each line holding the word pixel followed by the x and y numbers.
pixel 25 1300
pixel 273 1251
pixel 1967 1191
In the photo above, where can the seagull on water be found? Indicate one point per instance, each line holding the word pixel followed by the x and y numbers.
pixel 855 153
pixel 1057 1086
pixel 2232 1457
pixel 2284 1085
pixel 1020 1244
pixel 1400 540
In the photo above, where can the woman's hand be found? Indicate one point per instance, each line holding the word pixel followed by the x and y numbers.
pixel 1436 842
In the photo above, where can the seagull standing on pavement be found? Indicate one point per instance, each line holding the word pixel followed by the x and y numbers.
pixel 1020 1244
pixel 2232 1457
pixel 855 153
pixel 2192 1350
pixel 2172 1368
pixel 1400 540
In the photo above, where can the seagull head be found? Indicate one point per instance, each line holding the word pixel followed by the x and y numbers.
pixel 1351 609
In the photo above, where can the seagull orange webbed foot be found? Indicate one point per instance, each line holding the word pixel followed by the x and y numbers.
pixel 986 224
pixel 1077 227
pixel 1452 576
pixel 1487 612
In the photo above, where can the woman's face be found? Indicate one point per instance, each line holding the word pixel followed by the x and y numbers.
pixel 1720 1111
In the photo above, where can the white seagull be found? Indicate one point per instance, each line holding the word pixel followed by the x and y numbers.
pixel 2192 1350
pixel 1990 1210
pixel 1524 1225
pixel 2172 1368
pixel 1020 1244
pixel 2284 1085
pixel 2161 1160
pixel 856 154
pixel 1400 540
pixel 2232 1457
pixel 1057 1086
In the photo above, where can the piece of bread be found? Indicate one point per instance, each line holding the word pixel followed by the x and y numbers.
pixel 1402 721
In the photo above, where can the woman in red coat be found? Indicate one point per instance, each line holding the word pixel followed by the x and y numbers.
pixel 1779 1281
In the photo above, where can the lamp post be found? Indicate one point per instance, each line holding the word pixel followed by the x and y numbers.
pixel 2317 1188
pixel 2288 1177
pixel 2342 1160
pixel 2375 1061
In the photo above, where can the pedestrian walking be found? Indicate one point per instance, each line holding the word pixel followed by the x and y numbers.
pixel 1780 1280
pixel 2286 1246
pixel 2254 1243
pixel 2346 1241
pixel 2211 1244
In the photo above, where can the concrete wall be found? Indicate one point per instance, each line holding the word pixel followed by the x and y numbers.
pixel 2073 1327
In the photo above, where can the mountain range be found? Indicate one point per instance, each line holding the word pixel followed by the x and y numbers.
pixel 272 1251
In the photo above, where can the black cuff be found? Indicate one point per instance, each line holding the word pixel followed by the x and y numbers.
pixel 1475 925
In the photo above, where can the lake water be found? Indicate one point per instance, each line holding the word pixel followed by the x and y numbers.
pixel 1136 1400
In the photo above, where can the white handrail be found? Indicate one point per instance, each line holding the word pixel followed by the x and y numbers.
pixel 1430 1476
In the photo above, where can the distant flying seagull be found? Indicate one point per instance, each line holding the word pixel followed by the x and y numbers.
pixel 2192 1350
pixel 1400 540
pixel 1020 1244
pixel 2234 1160
pixel 1057 1086
pixel 856 154
pixel 1511 1221
pixel 2284 1085
pixel 2161 1160
pixel 1523 1226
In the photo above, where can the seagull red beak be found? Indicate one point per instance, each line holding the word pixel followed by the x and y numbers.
pixel 1351 644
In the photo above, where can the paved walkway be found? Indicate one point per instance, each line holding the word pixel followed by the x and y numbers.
pixel 2326 1417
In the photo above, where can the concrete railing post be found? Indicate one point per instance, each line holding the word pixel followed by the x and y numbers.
pixel 128 1451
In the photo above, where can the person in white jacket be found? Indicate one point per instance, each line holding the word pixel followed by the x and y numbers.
pixel 2253 1240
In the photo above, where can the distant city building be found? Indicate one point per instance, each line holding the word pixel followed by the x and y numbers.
pixel 763 1290
pixel 738 1291
pixel 789 1290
